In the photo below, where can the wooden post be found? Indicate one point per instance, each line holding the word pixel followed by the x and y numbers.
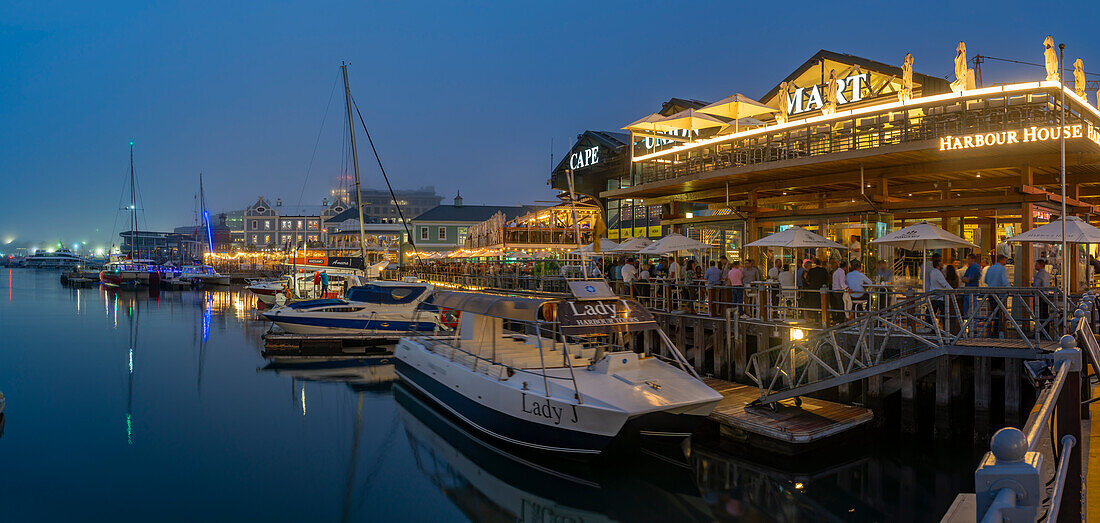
pixel 1013 369
pixel 700 345
pixel 681 335
pixel 982 375
pixel 824 308
pixel 908 399
pixel 873 397
pixel 1068 416
pixel 1024 262
pixel 942 428
pixel 740 359
pixel 722 357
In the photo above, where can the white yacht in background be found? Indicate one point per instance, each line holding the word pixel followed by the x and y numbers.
pixel 62 259
pixel 544 373
pixel 128 273
pixel 382 308
pixel 203 274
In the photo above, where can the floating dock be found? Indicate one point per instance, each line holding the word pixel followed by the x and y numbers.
pixel 326 345
pixel 790 429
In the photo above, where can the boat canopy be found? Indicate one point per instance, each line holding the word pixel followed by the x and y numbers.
pixel 385 294
pixel 519 308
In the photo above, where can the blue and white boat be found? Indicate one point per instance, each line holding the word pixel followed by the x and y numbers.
pixel 546 374
pixel 383 308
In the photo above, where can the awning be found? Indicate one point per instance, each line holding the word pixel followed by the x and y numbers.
pixel 606 245
pixel 737 106
pixel 690 119
pixel 652 123
pixel 495 305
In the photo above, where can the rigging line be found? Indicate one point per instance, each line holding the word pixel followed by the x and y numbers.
pixel 400 214
pixel 1029 63
pixel 317 141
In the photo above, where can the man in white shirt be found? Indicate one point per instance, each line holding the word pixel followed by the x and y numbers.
pixel 777 267
pixel 674 275
pixel 840 286
pixel 937 281
pixel 629 275
pixel 857 282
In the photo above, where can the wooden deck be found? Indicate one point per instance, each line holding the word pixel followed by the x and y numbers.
pixel 327 345
pixel 789 425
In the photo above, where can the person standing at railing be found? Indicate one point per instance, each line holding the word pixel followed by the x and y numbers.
pixel 839 288
pixel 642 281
pixel 997 276
pixel 630 273
pixel 674 276
pixel 749 274
pixel 817 278
pixel 713 277
pixel 737 293
pixel 1041 280
pixel 937 281
pixel 725 295
pixel 971 278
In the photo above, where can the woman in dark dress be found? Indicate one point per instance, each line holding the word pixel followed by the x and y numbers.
pixel 951 275
pixel 816 278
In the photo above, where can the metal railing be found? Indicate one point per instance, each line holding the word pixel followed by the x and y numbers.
pixel 1009 482
pixel 907 332
pixel 990 113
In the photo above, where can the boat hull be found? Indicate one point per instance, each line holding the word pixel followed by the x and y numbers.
pixel 305 324
pixel 501 425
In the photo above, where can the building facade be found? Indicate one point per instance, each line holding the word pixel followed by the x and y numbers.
pixel 445 227
pixel 380 207
pixel 281 227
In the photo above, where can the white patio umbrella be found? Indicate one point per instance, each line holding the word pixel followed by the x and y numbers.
pixel 634 244
pixel 923 236
pixel 605 246
pixel 1077 231
pixel 736 107
pixel 796 238
pixel 672 243
pixel 691 120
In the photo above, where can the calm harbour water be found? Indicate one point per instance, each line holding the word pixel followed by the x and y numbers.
pixel 141 406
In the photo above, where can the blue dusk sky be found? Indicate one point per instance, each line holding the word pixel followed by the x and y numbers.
pixel 458 95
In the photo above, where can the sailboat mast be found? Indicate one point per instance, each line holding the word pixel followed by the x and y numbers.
pixel 355 164
pixel 205 218
pixel 133 207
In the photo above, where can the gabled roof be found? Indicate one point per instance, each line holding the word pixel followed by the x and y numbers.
pixel 929 84
pixel 471 213
pixel 675 105
pixel 610 139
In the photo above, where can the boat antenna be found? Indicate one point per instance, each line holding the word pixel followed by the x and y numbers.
pixel 133 206
pixel 355 164
pixel 393 196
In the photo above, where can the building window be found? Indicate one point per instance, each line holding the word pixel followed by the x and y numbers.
pixel 267 225
pixel 255 224
pixel 300 224
pixel 442 233
pixel 462 232
pixel 267 239
pixel 423 233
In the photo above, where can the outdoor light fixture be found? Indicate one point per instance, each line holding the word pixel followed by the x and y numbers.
pixel 689 215
pixel 797 334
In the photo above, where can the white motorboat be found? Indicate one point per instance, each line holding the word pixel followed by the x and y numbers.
pixel 384 308
pixel 62 259
pixel 267 290
pixel 203 275
pixel 544 373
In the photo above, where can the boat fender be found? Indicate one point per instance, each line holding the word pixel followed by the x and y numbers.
pixel 549 312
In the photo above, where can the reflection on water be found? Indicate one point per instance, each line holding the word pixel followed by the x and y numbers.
pixel 204 414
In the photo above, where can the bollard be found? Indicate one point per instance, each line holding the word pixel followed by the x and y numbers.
pixel 1078 315
pixel 1068 421
pixel 1009 465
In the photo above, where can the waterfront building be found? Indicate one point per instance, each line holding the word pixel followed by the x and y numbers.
pixel 853 148
pixel 280 226
pixel 234 220
pixel 160 246
pixel 445 227
pixel 546 230
pixel 600 160
pixel 379 205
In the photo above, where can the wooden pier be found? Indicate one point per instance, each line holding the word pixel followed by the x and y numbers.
pixel 790 429
pixel 326 346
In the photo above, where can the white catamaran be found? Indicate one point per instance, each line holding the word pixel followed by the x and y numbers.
pixel 547 373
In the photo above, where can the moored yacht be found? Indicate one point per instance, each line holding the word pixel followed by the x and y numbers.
pixel 383 308
pixel 61 259
pixel 203 274
pixel 546 373
pixel 128 273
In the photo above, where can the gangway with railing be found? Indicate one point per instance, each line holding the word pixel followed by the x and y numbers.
pixel 978 321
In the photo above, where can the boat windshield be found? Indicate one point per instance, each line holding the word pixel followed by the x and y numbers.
pixel 388 294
